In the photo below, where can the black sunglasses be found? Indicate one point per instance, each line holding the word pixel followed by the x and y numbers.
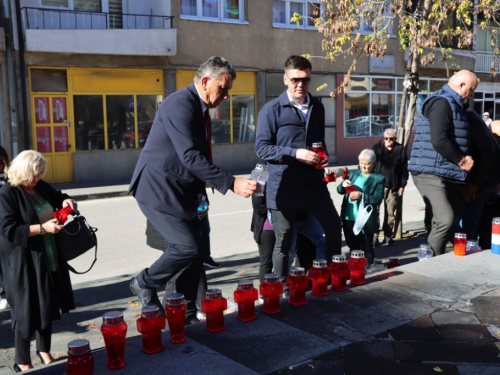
pixel 389 138
pixel 296 81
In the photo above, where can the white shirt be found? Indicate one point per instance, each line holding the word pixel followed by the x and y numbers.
pixel 303 108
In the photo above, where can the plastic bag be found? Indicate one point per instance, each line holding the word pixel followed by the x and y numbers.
pixel 363 216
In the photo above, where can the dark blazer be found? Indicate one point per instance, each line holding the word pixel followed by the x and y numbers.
pixel 373 193
pixel 281 131
pixel 174 167
pixel 34 294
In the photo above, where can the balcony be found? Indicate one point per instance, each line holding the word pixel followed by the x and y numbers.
pixel 68 31
pixel 485 61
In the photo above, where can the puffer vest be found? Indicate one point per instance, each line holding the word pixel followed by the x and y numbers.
pixel 424 158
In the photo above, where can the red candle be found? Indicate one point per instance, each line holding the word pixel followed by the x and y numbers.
pixel 318 148
pixel 271 290
pixel 319 274
pixel 245 296
pixel 213 306
pixel 357 264
pixel 80 359
pixel 175 310
pixel 114 331
pixel 459 244
pixel 62 214
pixel 150 325
pixel 393 262
pixel 339 271
pixel 297 283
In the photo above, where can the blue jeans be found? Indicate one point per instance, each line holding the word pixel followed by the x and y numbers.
pixel 312 230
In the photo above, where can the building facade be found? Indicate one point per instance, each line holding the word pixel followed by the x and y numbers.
pixel 82 79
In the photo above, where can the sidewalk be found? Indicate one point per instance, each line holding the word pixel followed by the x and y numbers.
pixel 420 318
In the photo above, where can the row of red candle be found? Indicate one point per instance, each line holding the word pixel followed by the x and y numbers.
pixel 151 323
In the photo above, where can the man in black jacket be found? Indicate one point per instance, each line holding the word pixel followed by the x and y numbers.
pixel 392 163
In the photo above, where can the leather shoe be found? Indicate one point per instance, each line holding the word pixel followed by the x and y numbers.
pixel 391 242
pixel 17 368
pixel 146 297
pixel 210 263
pixel 40 356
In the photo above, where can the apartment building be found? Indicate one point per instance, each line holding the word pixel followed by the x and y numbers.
pixel 82 79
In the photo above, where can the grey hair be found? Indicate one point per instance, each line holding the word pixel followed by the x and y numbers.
pixel 370 155
pixel 390 131
pixel 214 67
pixel 26 166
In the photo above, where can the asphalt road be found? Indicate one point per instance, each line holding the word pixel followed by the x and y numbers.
pixel 122 248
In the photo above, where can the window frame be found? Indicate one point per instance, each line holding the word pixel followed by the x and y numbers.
pixel 396 92
pixel 387 13
pixel 220 18
pixel 304 25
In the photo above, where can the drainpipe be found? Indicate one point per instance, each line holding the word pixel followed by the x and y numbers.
pixel 24 132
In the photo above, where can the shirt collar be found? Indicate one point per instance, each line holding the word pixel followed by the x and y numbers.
pixel 203 105
pixel 296 103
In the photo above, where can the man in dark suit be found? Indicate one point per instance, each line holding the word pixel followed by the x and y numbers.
pixel 170 179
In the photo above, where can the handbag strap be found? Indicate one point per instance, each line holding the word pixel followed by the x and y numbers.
pixel 92 230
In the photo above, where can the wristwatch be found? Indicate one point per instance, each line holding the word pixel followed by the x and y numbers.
pixel 41 230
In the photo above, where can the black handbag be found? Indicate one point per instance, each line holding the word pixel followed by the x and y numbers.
pixel 76 239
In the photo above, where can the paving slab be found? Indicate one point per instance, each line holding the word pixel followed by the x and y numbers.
pixel 421 329
pixel 479 270
pixel 454 317
pixel 472 369
pixel 466 333
pixel 263 345
pixel 374 357
pixel 487 307
pixel 447 352
pixel 413 368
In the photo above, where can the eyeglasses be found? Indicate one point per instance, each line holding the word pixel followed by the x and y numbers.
pixel 389 138
pixel 295 81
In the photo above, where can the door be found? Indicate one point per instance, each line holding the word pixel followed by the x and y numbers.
pixel 52 134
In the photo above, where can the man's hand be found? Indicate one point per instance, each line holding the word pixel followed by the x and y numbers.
pixel 400 191
pixel 466 163
pixel 244 186
pixel 308 157
pixel 469 192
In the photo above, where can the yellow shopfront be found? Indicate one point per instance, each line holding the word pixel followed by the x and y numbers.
pixel 85 110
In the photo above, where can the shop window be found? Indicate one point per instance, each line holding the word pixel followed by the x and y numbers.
pixel 120 121
pixel 283 11
pixel 89 122
pixel 118 128
pixel 243 120
pixel 216 10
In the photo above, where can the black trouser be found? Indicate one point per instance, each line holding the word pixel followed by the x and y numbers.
pixel 266 247
pixel 361 241
pixel 284 221
pixel 184 253
pixel 2 291
pixel 22 345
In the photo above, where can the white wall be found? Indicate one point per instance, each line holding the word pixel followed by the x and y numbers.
pixel 142 42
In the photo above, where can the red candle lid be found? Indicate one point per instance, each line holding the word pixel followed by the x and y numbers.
pixel 175 299
pixel 339 259
pixel 319 263
pixel 270 278
pixel 79 346
pixel 357 254
pixel 214 293
pixel 297 271
pixel 245 284
pixel 495 220
pixel 460 235
pixel 150 311
pixel 393 259
pixel 112 317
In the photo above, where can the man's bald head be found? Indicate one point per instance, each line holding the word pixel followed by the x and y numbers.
pixel 463 83
pixel 495 127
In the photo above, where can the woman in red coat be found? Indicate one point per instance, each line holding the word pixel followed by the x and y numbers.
pixel 37 282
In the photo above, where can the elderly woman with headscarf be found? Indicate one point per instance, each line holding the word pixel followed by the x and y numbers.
pixel 37 282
